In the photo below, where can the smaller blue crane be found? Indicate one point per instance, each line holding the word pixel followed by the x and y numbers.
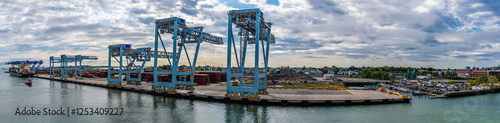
pixel 65 68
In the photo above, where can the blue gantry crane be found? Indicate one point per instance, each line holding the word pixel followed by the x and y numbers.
pixel 33 65
pixel 252 29
pixel 132 56
pixel 182 35
pixel 65 68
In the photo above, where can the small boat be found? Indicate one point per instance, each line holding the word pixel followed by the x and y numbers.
pixel 390 87
pixel 403 90
pixel 28 82
pixel 416 92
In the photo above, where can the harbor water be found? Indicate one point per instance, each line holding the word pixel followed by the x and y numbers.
pixel 140 107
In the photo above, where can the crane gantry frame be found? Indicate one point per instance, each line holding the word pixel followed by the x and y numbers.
pixel 64 61
pixel 131 57
pixel 253 28
pixel 182 35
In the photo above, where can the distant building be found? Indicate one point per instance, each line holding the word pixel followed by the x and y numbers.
pixel 206 68
pixel 313 72
pixel 467 68
pixel 183 67
pixel 286 71
pixel 328 76
pixel 480 87
pixel 422 77
pixel 350 72
pixel 464 73
pixel 330 72
pixel 248 71
pixel 397 75
pixel 477 73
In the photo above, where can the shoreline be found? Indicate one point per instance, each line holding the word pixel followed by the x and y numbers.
pixel 283 97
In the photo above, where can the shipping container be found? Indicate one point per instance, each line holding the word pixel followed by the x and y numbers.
pixel 215 76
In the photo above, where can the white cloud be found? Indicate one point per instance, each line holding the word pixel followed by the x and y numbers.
pixel 338 32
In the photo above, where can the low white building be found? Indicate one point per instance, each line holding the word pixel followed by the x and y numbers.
pixel 480 87
pixel 350 72
pixel 328 76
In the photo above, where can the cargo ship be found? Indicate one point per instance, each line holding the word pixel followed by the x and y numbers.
pixel 23 68
pixel 19 72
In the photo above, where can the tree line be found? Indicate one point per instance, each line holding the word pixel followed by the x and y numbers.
pixel 485 80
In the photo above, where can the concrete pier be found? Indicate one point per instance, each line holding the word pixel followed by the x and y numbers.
pixel 284 97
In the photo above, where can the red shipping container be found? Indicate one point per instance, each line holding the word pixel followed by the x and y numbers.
pixel 103 74
pixel 147 76
pixel 223 77
pixel 134 75
pixel 215 76
pixel 165 78
pixel 162 78
pixel 87 76
pixel 202 79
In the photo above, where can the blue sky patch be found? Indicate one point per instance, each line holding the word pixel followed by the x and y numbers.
pixel 273 2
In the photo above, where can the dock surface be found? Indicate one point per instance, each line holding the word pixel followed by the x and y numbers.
pixel 216 92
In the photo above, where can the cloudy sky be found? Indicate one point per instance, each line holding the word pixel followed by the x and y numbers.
pixel 428 33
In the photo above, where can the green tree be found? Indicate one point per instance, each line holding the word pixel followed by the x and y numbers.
pixel 164 67
pixel 472 83
pixel 451 82
pixel 492 79
pixel 335 69
pixel 374 73
pixel 352 68
pixel 483 79
pixel 325 70
pixel 478 81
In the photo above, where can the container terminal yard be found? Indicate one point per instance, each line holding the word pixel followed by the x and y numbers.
pixel 283 97
pixel 126 68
